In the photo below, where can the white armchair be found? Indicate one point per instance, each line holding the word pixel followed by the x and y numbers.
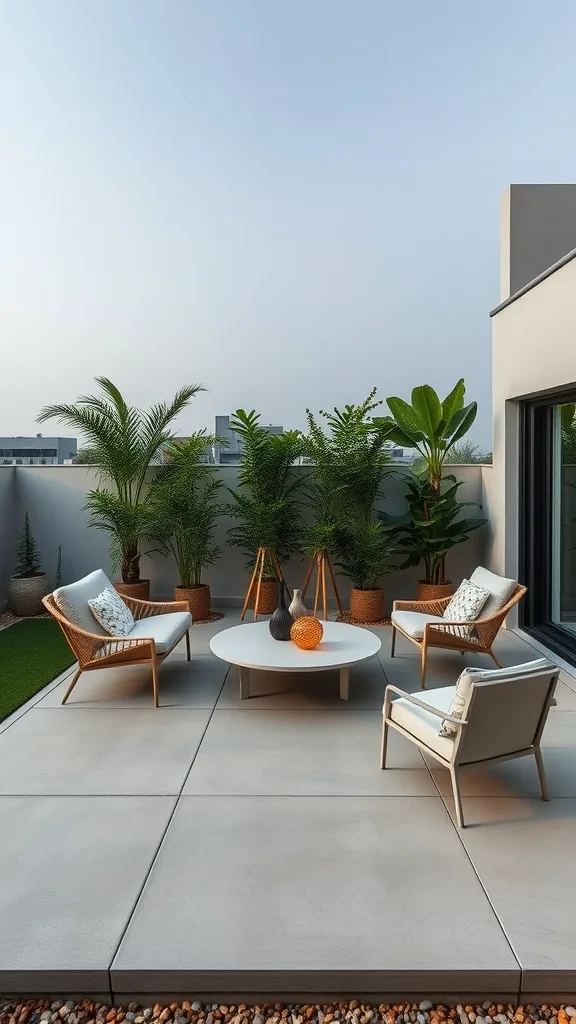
pixel 503 715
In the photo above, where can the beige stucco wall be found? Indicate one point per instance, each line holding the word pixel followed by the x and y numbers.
pixel 534 350
pixel 55 496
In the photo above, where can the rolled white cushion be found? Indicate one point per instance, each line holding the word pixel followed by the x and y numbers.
pixel 501 589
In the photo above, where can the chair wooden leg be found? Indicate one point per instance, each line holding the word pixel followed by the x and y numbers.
pixel 423 667
pixel 187 645
pixel 384 746
pixel 155 680
pixel 541 773
pixel 77 675
pixel 393 646
pixel 457 798
pixel 495 659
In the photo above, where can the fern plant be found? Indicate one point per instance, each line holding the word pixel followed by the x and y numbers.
pixel 123 442
pixel 265 503
pixel 351 456
pixel 184 503
pixel 28 561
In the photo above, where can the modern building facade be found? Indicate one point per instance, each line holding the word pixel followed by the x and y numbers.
pixel 37 451
pixel 230 453
pixel 532 492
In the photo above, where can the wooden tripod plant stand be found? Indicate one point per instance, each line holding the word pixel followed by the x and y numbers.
pixel 262 555
pixel 320 560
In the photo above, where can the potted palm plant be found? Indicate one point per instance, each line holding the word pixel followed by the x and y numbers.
pixel 29 584
pixel 431 527
pixel 351 457
pixel 184 503
pixel 264 503
pixel 123 441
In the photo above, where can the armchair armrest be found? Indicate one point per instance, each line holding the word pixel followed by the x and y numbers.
pixel 460 722
pixel 426 607
pixel 87 646
pixel 143 609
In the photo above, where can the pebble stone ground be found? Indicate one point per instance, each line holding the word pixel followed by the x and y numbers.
pixel 48 1011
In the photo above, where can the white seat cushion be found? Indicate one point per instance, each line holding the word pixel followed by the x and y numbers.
pixel 413 622
pixel 72 601
pixel 165 630
pixel 501 590
pixel 422 724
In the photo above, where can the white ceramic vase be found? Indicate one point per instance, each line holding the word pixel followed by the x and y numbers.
pixel 297 607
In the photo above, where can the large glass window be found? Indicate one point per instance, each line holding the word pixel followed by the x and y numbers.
pixel 563 518
pixel 548 518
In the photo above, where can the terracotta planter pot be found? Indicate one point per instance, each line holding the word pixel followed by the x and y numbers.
pixel 198 599
pixel 140 591
pixel 433 591
pixel 268 597
pixel 25 594
pixel 367 605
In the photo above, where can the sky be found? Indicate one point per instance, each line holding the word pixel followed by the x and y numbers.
pixel 289 201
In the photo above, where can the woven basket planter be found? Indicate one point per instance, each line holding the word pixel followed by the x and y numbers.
pixel 25 594
pixel 367 605
pixel 198 599
pixel 268 597
pixel 139 591
pixel 433 591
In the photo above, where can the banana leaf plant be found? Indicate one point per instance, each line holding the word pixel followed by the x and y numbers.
pixel 430 426
pixel 431 527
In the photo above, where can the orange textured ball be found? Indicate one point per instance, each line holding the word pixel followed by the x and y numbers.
pixel 306 632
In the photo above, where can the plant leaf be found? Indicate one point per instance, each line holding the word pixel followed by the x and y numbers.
pixel 428 409
pixel 406 418
pixel 454 401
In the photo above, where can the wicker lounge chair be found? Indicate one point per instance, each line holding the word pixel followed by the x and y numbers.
pixel 421 622
pixel 157 629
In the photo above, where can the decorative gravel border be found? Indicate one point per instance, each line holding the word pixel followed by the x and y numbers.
pixel 8 618
pixel 48 1011
pixel 213 617
pixel 346 617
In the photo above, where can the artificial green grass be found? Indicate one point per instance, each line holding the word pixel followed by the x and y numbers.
pixel 32 653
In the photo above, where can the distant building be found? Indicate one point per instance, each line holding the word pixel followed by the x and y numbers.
pixel 37 451
pixel 230 454
pixel 402 457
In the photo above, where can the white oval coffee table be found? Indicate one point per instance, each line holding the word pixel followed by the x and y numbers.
pixel 250 646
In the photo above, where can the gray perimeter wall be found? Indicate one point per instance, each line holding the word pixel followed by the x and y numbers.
pixel 54 496
pixel 7 527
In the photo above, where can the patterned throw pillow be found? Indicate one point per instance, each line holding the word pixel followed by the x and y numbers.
pixel 466 605
pixel 112 614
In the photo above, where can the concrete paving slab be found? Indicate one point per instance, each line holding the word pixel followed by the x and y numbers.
pixel 193 684
pixel 73 752
pixel 321 894
pixel 71 870
pixel 304 752
pixel 523 852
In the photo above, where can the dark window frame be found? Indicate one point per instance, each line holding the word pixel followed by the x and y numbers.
pixel 536 518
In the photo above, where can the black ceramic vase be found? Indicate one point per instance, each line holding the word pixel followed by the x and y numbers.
pixel 281 622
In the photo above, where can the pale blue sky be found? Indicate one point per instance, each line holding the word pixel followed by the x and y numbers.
pixel 288 200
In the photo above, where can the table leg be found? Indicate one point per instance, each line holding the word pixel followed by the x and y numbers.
pixel 244 683
pixel 344 682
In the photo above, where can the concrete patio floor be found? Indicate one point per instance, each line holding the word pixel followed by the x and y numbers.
pixel 222 848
